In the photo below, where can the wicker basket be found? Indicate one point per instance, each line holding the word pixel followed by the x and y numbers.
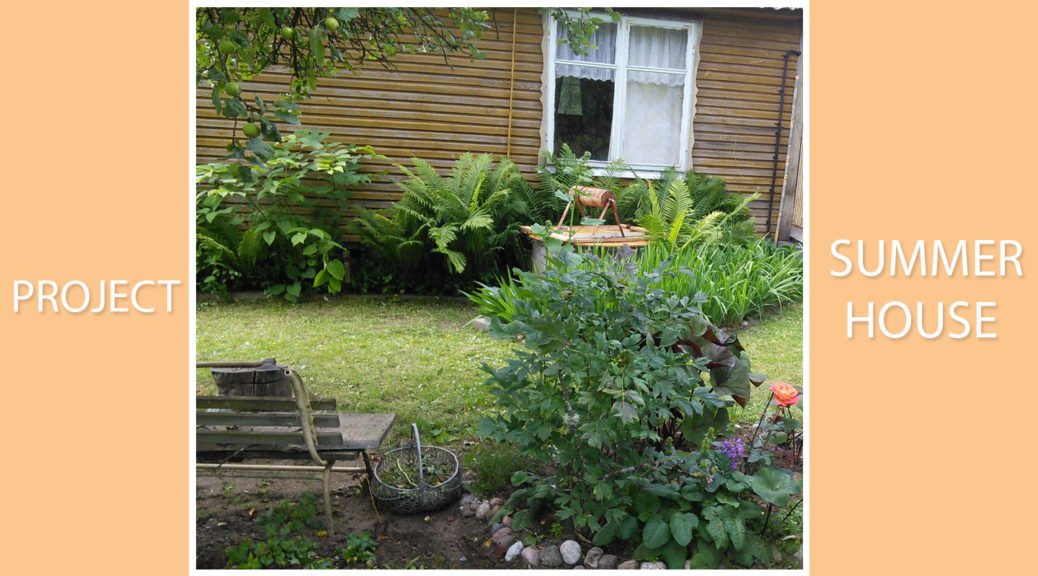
pixel 395 489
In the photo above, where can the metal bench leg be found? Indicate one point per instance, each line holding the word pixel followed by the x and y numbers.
pixel 371 492
pixel 326 475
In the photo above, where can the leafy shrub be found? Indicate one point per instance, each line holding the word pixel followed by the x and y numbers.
pixel 690 210
pixel 739 281
pixel 462 226
pixel 275 225
pixel 611 391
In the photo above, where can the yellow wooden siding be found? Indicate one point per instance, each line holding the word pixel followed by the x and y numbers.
pixel 419 106
pixel 738 82
pixel 423 107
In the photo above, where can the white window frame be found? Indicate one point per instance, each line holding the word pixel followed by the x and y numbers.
pixel 620 64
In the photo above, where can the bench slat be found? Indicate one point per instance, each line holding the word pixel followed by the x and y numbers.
pixel 205 418
pixel 258 403
pixel 365 431
pixel 215 456
pixel 232 440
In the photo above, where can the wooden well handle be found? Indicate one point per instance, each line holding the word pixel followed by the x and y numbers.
pixel 596 197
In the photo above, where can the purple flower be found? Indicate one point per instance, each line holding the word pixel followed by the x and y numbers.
pixel 733 449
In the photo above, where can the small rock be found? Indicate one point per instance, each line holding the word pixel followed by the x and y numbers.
pixel 799 554
pixel 494 528
pixel 466 499
pixel 688 564
pixel 626 565
pixel 531 557
pixel 570 550
pixel 481 323
pixel 607 562
pixel 578 567
pixel 482 511
pixel 463 559
pixel 654 566
pixel 507 520
pixel 503 540
pixel 496 502
pixel 551 557
pixel 514 551
pixel 493 511
pixel 593 557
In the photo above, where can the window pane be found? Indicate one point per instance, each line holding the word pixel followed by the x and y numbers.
pixel 603 41
pixel 584 109
pixel 658 47
pixel 652 124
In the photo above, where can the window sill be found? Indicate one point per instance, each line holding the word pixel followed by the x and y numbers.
pixel 600 169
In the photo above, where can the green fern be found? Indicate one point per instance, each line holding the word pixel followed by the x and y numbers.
pixel 469 218
pixel 694 210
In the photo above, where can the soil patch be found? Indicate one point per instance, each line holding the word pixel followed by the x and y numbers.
pixel 442 539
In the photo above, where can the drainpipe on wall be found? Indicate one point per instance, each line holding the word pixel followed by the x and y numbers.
pixel 778 137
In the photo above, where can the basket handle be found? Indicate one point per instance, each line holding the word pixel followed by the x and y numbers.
pixel 418 447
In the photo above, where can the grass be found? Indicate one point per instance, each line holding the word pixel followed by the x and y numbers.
pixel 411 357
pixel 776 348
pixel 416 357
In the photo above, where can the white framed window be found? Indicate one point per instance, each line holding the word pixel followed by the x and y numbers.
pixel 629 98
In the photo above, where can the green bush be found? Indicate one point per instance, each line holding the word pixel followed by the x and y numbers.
pixel 622 390
pixel 450 229
pixel 274 226
pixel 738 281
pixel 690 210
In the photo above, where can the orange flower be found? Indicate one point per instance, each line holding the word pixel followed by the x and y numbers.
pixel 785 394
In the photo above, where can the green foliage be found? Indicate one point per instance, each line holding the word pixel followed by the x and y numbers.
pixel 557 175
pixel 622 388
pixel 288 517
pixel 463 226
pixel 284 547
pixel 276 552
pixel 614 371
pixel 359 550
pixel 493 464
pixel 739 281
pixel 693 210
pixel 236 44
pixel 259 226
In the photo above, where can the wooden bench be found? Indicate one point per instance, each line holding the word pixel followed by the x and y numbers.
pixel 229 429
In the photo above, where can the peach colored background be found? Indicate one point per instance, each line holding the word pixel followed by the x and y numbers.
pixel 95 186
pixel 922 126
pixel 923 123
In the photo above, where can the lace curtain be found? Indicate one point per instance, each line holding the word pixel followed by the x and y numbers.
pixel 655 100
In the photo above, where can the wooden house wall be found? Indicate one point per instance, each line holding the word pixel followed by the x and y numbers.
pixel 423 107
pixel 738 83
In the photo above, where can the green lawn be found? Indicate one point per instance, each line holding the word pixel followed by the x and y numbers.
pixel 415 357
pixel 776 348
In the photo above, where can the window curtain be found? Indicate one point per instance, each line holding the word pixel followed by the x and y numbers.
pixel 604 40
pixel 652 123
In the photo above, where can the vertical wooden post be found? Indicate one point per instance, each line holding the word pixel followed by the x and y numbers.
pixel 790 185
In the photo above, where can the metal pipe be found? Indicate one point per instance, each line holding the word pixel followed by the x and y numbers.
pixel 778 135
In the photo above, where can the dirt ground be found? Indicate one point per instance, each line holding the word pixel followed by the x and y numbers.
pixel 442 539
